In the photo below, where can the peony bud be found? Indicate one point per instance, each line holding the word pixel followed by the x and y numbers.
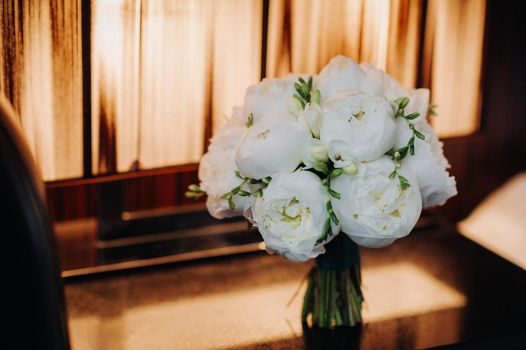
pixel 319 153
pixel 351 169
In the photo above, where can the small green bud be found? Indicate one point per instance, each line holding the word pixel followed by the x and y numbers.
pixel 294 107
pixel 397 165
pixel 412 116
pixel 351 169
pixel 193 195
pixel 336 172
pixel 404 101
pixel 319 153
pixel 250 120
pixel 316 97
pixel 195 188
pixel 397 155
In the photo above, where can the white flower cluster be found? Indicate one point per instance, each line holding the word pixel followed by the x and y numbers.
pixel 306 157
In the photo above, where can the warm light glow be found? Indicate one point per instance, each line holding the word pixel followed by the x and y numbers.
pixel 42 78
pixel 499 223
pixel 163 70
pixel 453 62
pixel 258 314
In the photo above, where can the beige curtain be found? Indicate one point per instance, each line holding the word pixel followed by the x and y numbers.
pixel 452 63
pixel 41 74
pixel 305 34
pixel 165 74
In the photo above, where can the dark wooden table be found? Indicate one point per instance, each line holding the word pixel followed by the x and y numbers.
pixel 430 289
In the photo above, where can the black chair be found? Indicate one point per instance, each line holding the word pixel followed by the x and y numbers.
pixel 34 312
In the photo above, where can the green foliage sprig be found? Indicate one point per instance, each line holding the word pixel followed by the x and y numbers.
pixel 194 192
pixel 304 92
pixel 238 190
pixel 327 228
pixel 409 149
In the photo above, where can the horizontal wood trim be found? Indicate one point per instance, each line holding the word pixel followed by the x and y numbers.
pixel 175 169
pixel 144 190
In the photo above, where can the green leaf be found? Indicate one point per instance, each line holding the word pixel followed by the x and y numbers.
pixel 250 120
pixel 300 99
pixel 412 116
pixel 392 175
pixel 419 134
pixel 316 97
pixel 404 183
pixel 404 101
pixel 244 193
pixel 309 84
pixel 432 110
pixel 238 174
pixel 334 218
pixel 231 204
pixel 334 194
pixel 306 92
pixel 335 173
pixel 326 231
pixel 194 195
pixel 227 195
pixel 298 86
pixel 321 167
pixel 195 188
pixel 403 152
pixel 300 92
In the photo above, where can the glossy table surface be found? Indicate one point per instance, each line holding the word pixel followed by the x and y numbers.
pixel 430 289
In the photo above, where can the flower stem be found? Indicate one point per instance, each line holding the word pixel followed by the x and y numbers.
pixel 333 297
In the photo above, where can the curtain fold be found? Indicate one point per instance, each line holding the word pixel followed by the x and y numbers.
pixel 452 63
pixel 165 75
pixel 41 74
pixel 304 35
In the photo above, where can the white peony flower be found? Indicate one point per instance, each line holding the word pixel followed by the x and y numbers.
pixel 217 173
pixel 269 96
pixel 274 144
pixel 428 163
pixel 292 214
pixel 312 117
pixel 237 119
pixel 378 82
pixel 373 210
pixel 357 127
pixel 341 74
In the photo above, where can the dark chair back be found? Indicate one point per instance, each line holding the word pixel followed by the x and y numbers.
pixel 34 314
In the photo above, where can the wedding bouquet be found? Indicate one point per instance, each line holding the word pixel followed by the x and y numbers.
pixel 306 157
